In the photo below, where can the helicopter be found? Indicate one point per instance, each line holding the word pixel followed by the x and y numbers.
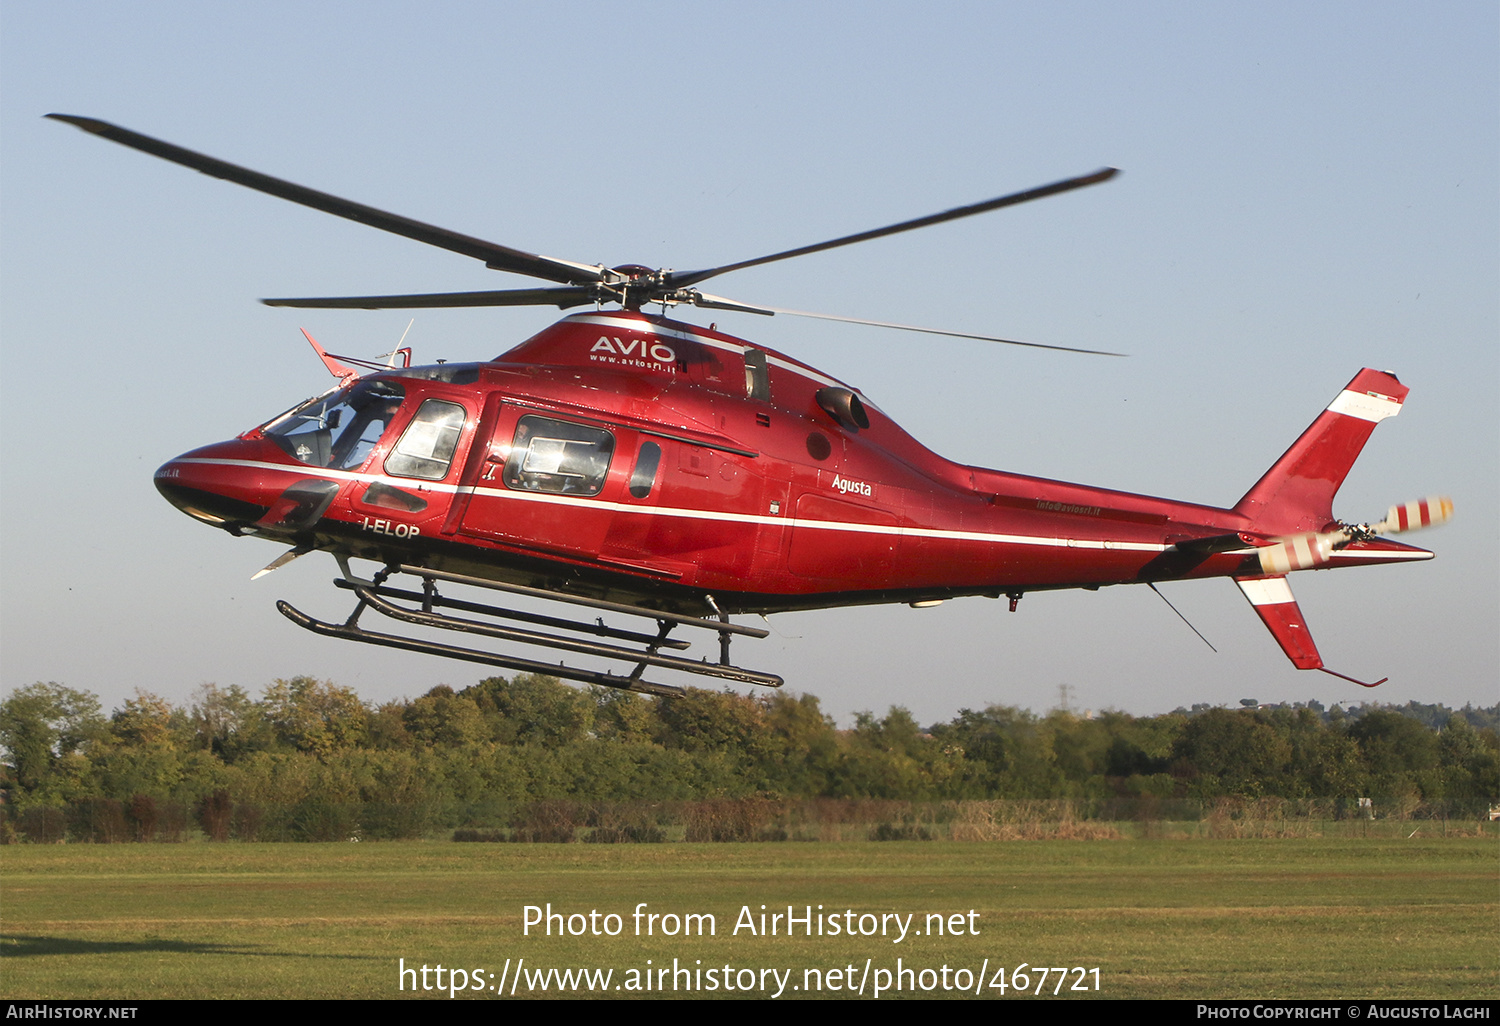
pixel 672 475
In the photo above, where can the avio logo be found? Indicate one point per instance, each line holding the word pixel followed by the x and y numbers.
pixel 633 349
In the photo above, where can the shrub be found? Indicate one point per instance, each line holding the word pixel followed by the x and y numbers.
pixel 549 822
pixel 214 815
pixel 144 816
pixel 98 821
pixel 44 825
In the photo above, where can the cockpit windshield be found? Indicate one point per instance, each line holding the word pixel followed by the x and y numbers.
pixel 339 430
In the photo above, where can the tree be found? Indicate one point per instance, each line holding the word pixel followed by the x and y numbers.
pixel 385 728
pixel 315 716
pixel 703 720
pixel 802 750
pixel 1401 758
pixel 1006 752
pixel 893 758
pixel 1081 748
pixel 228 722
pixel 532 709
pixel 44 722
pixel 1242 753
pixel 1394 743
pixel 146 721
pixel 1140 747
pixel 442 719
pixel 622 715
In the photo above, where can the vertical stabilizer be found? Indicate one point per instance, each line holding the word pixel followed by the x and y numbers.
pixel 1272 598
pixel 1277 608
pixel 1296 494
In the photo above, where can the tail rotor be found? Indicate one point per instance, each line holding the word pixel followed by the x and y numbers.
pixel 1312 549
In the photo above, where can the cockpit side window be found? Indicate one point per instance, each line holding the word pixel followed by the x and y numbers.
pixel 339 430
pixel 556 456
pixel 426 447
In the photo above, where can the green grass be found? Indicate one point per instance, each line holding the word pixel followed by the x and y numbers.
pixel 1177 919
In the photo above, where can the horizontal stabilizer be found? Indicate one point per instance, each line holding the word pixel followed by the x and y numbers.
pixel 1216 544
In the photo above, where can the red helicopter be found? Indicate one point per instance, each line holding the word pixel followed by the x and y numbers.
pixel 632 464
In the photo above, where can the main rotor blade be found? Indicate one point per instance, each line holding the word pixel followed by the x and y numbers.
pixel 496 256
pixel 687 278
pixel 562 298
pixel 719 303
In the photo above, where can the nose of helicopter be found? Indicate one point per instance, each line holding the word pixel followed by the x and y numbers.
pixel 216 484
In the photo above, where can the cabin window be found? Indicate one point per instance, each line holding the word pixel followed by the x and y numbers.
pixel 338 430
pixel 426 447
pixel 644 475
pixel 556 456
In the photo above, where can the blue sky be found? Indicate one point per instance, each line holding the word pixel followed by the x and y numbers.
pixel 1308 189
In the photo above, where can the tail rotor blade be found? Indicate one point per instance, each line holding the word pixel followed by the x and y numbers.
pixel 1299 551
pixel 1411 516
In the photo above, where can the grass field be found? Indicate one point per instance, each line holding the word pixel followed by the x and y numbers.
pixel 1285 918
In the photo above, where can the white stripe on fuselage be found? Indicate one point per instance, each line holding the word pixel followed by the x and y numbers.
pixel 693 514
pixel 747 518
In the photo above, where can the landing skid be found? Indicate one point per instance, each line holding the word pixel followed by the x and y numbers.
pixel 421 609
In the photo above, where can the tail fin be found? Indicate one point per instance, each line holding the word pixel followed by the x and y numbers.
pixel 1296 494
pixel 1273 602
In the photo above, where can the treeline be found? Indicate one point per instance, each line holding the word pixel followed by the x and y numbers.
pixel 309 760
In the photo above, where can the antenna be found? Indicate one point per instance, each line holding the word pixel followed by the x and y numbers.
pixel 1184 619
pixel 404 352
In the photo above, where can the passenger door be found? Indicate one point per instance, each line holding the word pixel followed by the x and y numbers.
pixel 544 482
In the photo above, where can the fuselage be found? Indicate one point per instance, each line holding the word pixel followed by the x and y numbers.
pixel 639 458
